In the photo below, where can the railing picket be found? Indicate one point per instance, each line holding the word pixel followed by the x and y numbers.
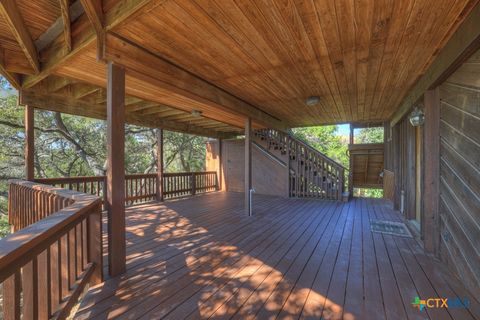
pixel 71 258
pixel 11 297
pixel 64 283
pixel 55 276
pixel 30 290
pixel 44 297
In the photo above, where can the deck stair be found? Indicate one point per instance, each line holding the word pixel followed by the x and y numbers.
pixel 311 173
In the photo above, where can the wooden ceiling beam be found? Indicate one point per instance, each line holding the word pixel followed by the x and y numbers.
pixel 93 10
pixel 67 33
pixel 462 44
pixel 54 84
pixel 81 108
pixel 141 106
pixel 15 21
pixel 159 111
pixel 82 90
pixel 83 36
pixel 181 82
pixel 13 78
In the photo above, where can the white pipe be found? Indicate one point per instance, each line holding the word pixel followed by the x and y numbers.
pixel 250 204
pixel 402 201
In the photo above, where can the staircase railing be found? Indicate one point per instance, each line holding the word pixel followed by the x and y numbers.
pixel 312 174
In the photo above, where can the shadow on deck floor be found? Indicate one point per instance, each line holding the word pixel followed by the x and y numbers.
pixel 201 257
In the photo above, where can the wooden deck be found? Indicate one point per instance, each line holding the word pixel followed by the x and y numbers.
pixel 202 258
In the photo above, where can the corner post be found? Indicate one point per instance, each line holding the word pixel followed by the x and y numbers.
pixel 219 177
pixel 29 143
pixel 116 168
pixel 350 167
pixel 248 166
pixel 160 164
pixel 431 229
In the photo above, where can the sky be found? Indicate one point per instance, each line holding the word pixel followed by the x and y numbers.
pixel 343 129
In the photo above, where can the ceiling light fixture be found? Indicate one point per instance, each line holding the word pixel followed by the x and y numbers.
pixel 312 100
pixel 196 113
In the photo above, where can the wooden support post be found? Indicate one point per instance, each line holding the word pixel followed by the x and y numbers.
pixel 219 166
pixel 116 168
pixel 194 183
pixel 159 164
pixel 287 151
pixel 430 221
pixel 29 143
pixel 350 167
pixel 248 166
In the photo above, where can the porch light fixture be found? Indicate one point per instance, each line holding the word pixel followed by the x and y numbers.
pixel 196 113
pixel 312 101
pixel 417 117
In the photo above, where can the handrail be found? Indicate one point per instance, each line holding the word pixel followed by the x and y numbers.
pixel 314 174
pixel 45 265
pixel 306 145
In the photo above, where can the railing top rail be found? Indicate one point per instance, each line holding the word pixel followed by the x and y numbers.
pixel 71 179
pixel 303 143
pixel 100 178
pixel 306 145
pixel 16 249
pixel 188 173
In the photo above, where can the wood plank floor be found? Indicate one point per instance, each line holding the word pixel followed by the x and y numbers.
pixel 202 258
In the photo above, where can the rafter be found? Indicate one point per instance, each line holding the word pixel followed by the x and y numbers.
pixel 83 37
pixel 67 33
pixel 70 105
pixel 13 78
pixel 151 68
pixel 93 10
pixel 15 21
pixel 82 90
pixel 54 84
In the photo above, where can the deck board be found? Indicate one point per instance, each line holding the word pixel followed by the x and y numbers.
pixel 201 257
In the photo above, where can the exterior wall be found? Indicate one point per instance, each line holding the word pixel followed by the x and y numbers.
pixel 401 152
pixel 269 175
pixel 459 205
pixel 213 160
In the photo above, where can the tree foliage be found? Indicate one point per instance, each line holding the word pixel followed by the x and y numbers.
pixel 369 135
pixel 326 140
pixel 67 145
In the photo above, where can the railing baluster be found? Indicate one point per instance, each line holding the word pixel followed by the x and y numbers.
pixel 11 297
pixel 65 286
pixel 30 290
pixel 44 297
pixel 55 276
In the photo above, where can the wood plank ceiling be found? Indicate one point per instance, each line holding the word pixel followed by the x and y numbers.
pixel 230 59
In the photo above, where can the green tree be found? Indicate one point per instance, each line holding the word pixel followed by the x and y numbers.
pixel 67 145
pixel 326 140
pixel 369 135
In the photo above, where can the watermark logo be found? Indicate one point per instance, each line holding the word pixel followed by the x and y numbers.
pixel 430 303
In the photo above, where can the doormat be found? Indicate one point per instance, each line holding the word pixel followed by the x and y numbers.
pixel 390 227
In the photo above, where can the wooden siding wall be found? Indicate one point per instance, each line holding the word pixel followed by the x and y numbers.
pixel 268 174
pixel 459 206
pixel 401 154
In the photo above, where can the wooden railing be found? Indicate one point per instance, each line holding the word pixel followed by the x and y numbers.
pixel 312 174
pixel 55 251
pixel 142 187
pixel 189 183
